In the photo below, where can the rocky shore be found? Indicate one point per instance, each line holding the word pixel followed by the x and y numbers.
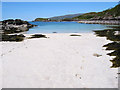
pixel 14 26
pixel 111 22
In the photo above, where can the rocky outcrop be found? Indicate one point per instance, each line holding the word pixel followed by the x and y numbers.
pixel 8 27
pixel 14 26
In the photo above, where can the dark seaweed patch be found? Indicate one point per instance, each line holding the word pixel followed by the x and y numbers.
pixel 110 34
pixel 13 38
pixel 75 35
pixel 112 46
pixel 38 36
pixel 115 62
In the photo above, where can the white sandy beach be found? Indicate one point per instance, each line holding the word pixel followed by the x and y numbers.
pixel 60 61
pixel 0 66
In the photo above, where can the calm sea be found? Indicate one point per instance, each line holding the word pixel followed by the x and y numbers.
pixel 64 27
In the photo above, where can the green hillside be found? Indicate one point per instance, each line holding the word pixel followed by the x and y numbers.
pixel 86 16
pixel 109 14
pixel 41 19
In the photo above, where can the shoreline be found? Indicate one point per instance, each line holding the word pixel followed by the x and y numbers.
pixel 109 22
pixel 61 58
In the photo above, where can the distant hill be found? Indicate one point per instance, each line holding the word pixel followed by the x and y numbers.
pixel 85 16
pixel 57 18
pixel 109 14
pixel 70 16
pixel 41 19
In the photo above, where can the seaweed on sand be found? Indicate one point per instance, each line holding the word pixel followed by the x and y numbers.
pixel 110 34
pixel 112 46
pixel 115 53
pixel 75 35
pixel 101 33
pixel 115 62
pixel 13 38
pixel 38 36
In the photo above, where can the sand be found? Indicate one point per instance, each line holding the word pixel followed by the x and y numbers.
pixel 0 66
pixel 60 61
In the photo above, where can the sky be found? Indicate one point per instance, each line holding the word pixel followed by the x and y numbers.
pixel 31 10
pixel 59 0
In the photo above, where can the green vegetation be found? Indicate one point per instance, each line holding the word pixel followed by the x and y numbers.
pixel 41 19
pixel 86 16
pixel 113 11
pixel 109 14
pixel 67 19
pixel 69 16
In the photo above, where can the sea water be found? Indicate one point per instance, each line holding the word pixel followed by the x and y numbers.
pixel 64 27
